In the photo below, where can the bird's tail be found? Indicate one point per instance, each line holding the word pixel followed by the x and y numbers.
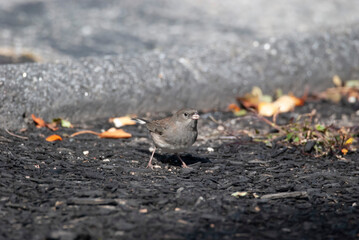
pixel 140 120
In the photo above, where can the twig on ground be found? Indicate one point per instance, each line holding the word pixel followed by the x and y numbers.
pixel 226 130
pixel 83 132
pixel 15 135
pixel 272 124
pixel 297 194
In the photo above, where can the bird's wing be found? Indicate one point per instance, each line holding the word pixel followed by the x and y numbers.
pixel 158 126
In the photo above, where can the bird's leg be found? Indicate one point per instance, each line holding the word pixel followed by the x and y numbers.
pixel 149 165
pixel 183 163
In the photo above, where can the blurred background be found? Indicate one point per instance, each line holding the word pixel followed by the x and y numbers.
pixel 52 30
pixel 97 58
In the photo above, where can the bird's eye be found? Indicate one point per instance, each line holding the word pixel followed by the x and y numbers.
pixel 185 114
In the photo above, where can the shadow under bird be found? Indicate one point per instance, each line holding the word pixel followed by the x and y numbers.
pixel 173 134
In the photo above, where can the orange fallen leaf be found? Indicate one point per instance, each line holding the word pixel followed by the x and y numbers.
pixel 298 101
pixel 233 107
pixel 115 133
pixel 122 121
pixel 53 138
pixel 39 122
pixel 111 133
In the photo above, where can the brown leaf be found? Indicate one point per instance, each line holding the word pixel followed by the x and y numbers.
pixel 52 126
pixel 53 138
pixel 252 99
pixel 249 101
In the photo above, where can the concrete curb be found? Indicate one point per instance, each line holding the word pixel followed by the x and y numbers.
pixel 201 77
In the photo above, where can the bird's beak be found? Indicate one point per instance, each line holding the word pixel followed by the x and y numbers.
pixel 195 116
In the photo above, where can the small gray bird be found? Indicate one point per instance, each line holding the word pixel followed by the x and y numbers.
pixel 173 134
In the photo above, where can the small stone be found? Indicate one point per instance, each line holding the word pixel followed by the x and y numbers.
pixel 209 149
pixel 308 147
pixel 143 210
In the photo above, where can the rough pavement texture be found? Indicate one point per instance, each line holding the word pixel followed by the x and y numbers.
pixel 167 55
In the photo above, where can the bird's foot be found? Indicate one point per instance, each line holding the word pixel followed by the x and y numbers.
pixel 184 165
pixel 149 165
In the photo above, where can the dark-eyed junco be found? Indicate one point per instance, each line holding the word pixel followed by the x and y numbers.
pixel 173 134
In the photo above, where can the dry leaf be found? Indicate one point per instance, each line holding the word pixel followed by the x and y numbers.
pixel 53 138
pixel 285 103
pixel 252 99
pixel 63 122
pixel 111 133
pixel 348 89
pixel 115 133
pixel 267 109
pixel 349 141
pixel 298 101
pixel 233 107
pixel 52 126
pixel 332 94
pixel 265 106
pixel 236 110
pixel 39 122
pixel 337 81
pixel 256 91
pixel 122 121
pixel 248 101
pixel 352 83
